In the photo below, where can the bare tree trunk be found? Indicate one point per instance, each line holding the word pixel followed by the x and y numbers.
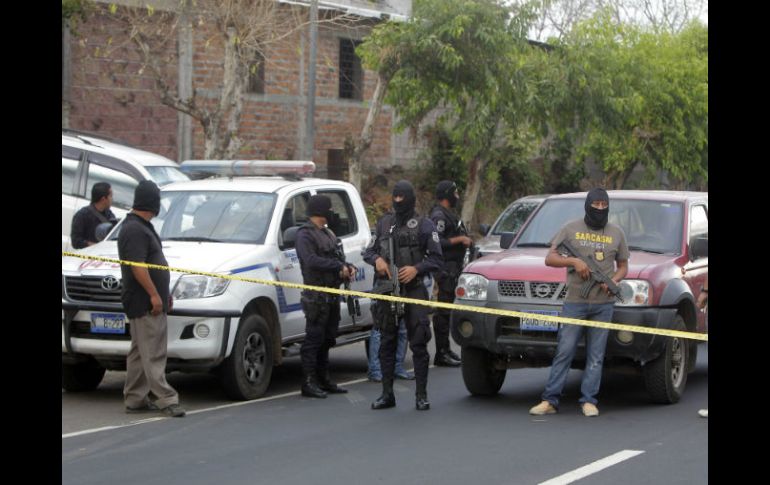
pixel 230 103
pixel 367 133
pixel 475 170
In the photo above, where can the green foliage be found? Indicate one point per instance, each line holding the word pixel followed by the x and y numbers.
pixel 635 98
pixel 445 164
pixel 74 11
pixel 469 62
pixel 72 8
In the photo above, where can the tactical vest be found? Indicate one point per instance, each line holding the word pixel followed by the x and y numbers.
pixel 406 241
pixel 329 246
pixel 453 229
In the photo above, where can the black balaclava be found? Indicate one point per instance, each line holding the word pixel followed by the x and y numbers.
pixel 320 205
pixel 446 189
pixel 405 208
pixel 596 218
pixel 147 197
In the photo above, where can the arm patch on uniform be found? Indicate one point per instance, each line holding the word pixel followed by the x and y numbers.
pixel 440 225
pixel 435 237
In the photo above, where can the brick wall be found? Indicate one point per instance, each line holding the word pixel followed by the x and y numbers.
pixel 110 96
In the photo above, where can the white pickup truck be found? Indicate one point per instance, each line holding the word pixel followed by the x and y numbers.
pixel 241 226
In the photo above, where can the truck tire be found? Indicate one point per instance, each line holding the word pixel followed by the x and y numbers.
pixel 246 374
pixel 692 356
pixel 666 376
pixel 83 376
pixel 479 374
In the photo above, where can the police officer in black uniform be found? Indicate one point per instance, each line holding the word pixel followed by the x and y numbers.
pixel 454 241
pixel 322 261
pixel 417 253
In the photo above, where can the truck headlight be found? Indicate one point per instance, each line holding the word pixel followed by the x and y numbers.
pixel 471 287
pixel 195 286
pixel 634 293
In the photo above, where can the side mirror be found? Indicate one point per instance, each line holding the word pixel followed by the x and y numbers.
pixel 506 239
pixel 484 229
pixel 289 237
pixel 699 247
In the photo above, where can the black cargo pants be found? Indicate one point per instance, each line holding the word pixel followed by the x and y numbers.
pixel 418 333
pixel 322 320
pixel 447 282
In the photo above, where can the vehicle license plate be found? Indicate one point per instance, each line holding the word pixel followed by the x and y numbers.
pixel 540 325
pixel 108 323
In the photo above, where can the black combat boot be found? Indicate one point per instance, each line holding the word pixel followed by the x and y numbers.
pixel 421 402
pixel 454 355
pixel 444 359
pixel 310 387
pixel 387 399
pixel 326 384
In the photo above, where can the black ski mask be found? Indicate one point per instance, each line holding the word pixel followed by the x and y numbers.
pixel 446 189
pixel 147 197
pixel 320 205
pixel 596 218
pixel 405 208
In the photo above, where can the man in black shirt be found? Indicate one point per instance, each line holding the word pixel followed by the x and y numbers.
pixel 84 222
pixel 416 253
pixel 454 241
pixel 322 261
pixel 145 297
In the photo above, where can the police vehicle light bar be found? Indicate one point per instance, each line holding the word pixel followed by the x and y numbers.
pixel 241 168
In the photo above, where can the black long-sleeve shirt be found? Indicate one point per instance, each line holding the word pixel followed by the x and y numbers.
pixel 84 224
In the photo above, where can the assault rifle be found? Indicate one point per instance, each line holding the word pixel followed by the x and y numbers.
pixel 471 252
pixel 596 273
pixel 392 286
pixel 354 308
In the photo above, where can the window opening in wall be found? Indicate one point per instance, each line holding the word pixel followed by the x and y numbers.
pixel 351 72
pixel 257 75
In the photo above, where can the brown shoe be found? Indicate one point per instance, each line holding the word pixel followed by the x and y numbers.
pixel 146 407
pixel 174 411
pixel 590 410
pixel 543 408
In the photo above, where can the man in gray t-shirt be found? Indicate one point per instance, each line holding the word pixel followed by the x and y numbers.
pixel 605 244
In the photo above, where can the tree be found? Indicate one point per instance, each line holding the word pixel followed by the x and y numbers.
pixel 384 51
pixel 635 97
pixel 467 60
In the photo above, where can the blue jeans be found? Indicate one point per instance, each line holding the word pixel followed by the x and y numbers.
pixel 374 352
pixel 569 336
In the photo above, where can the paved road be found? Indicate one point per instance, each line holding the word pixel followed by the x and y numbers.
pixel 461 440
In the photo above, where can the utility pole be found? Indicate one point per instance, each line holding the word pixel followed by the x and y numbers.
pixel 309 120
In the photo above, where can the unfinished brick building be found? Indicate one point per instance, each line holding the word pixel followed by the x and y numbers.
pixel 106 90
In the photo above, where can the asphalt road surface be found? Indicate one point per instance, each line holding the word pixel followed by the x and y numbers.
pixel 287 439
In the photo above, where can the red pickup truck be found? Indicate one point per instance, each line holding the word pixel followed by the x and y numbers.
pixel 667 234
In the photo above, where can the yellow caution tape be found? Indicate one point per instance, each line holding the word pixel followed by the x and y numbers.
pixel 414 301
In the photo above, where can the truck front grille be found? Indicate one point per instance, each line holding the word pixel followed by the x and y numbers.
pixel 89 288
pixel 532 289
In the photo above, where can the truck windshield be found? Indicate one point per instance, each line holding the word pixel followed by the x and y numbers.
pixel 513 217
pixel 651 226
pixel 233 217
